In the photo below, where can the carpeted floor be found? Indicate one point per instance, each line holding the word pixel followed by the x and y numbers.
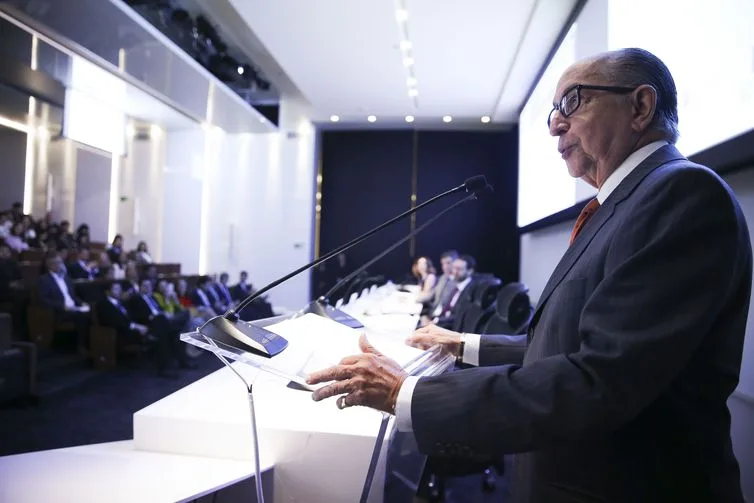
pixel 99 409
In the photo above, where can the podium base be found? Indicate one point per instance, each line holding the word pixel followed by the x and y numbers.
pixel 243 336
pixel 322 308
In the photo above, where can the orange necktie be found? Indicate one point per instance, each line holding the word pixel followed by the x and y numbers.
pixel 586 213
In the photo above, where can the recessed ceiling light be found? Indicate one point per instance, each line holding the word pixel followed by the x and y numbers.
pixel 413 92
pixel 411 81
pixel 405 45
pixel 485 119
pixel 334 118
pixel 401 15
pixel 447 118
pixel 408 61
pixel 372 118
pixel 409 118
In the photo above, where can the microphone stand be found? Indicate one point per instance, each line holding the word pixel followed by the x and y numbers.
pixel 322 306
pixel 230 330
pixel 252 413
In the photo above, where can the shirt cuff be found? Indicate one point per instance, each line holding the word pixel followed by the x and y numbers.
pixel 471 349
pixel 403 404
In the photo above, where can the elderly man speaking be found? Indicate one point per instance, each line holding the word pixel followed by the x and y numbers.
pixel 618 391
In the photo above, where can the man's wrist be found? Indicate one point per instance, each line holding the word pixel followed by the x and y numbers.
pixel 461 348
pixel 393 400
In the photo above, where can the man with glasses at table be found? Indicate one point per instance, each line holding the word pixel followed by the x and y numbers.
pixel 618 391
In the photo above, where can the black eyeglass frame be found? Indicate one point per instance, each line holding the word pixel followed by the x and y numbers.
pixel 578 87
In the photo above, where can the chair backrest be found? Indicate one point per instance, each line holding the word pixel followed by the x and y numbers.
pixel 514 307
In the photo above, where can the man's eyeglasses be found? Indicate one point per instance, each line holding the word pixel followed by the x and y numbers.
pixel 571 99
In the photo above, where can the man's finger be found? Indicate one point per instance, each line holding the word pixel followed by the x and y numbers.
pixel 366 347
pixel 337 388
pixel 350 360
pixel 337 373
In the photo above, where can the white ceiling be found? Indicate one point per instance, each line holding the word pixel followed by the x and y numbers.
pixel 471 57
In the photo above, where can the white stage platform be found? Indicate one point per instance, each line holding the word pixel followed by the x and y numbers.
pixel 116 472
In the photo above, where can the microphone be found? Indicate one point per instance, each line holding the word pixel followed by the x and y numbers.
pixel 322 306
pixel 229 330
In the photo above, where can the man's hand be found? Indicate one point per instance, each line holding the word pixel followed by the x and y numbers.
pixel 370 379
pixel 431 335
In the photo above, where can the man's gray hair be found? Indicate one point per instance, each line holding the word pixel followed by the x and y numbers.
pixel 635 67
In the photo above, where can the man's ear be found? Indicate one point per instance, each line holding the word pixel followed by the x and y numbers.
pixel 644 103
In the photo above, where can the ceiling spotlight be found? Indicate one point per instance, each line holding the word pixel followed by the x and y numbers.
pixel 372 118
pixel 411 81
pixel 401 15
pixel 405 45
pixel 408 61
pixel 485 119
pixel 413 92
pixel 447 118
pixel 334 118
pixel 409 118
pixel 240 70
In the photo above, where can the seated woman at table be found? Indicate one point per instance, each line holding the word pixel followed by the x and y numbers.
pixel 426 275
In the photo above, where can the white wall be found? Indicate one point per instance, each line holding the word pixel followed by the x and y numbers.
pixel 60 180
pixel 92 193
pixel 259 191
pixel 140 199
pixel 13 148
pixel 540 253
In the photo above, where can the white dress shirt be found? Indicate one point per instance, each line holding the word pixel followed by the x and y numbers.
pixel 472 343
pixel 459 290
pixel 67 299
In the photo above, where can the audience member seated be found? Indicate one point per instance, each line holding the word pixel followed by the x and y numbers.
pixel 165 327
pixel 116 252
pixel 142 255
pixel 56 292
pixel 463 271
pixel 242 289
pixel 15 239
pixel 82 267
pixel 83 239
pixel 131 285
pixel 30 232
pixel 113 314
pixel 223 292
pixel 10 273
pixel 151 275
pixel 64 238
pixel 204 298
pixel 444 288
pixel 168 300
pixel 426 276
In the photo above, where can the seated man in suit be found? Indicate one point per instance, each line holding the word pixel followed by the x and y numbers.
pixel 56 292
pixel 221 287
pixel 165 327
pixel 113 314
pixel 618 393
pixel 204 298
pixel 444 288
pixel 82 267
pixel 463 276
pixel 242 289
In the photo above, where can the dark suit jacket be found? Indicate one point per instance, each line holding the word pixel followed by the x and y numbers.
pixel 50 294
pixel 77 271
pixel 634 349
pixel 110 316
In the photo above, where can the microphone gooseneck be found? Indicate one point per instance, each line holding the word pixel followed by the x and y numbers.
pixel 472 185
pixel 339 284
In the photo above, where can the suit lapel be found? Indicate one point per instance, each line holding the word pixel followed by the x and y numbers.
pixel 604 213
